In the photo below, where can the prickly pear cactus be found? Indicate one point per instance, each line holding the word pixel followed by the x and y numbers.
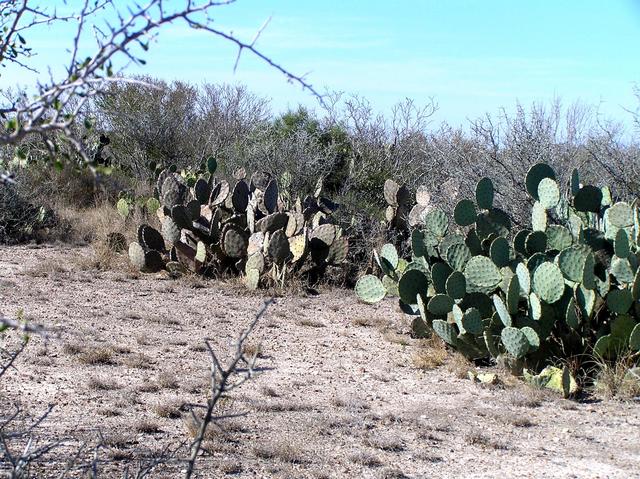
pixel 211 227
pixel 569 285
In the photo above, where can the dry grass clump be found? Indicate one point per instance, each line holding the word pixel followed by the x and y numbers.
pixel 167 380
pixel 370 322
pixel 365 459
pixel 139 361
pixel 147 426
pixel 614 380
pixel 482 440
pixel 96 355
pixel 458 365
pixel 311 323
pixel 102 384
pixel 252 350
pixel 72 349
pixel 430 353
pixel 281 450
pixel 170 409
pixel 46 268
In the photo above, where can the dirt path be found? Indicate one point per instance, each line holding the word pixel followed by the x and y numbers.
pixel 339 396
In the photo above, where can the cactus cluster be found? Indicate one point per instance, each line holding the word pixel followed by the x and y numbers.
pixel 566 286
pixel 250 228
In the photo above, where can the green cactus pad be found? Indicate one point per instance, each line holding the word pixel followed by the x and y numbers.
pixel 419 263
pixel 572 262
pixel 502 311
pixel 391 189
pixel 548 282
pixel 440 304
pixel 490 343
pixel 472 321
pixel 621 215
pixel 548 193
pixel 622 327
pixel 532 338
pixel 465 213
pixel 473 242
pixel 271 196
pixel 585 300
pixel 480 301
pixel 326 233
pixel 588 199
pixel 136 256
pixel 619 300
pixel 123 208
pixel 519 242
pixel 634 338
pixel 536 242
pixel 482 272
pixel 338 251
pixel 635 287
pixel 274 222
pixel 423 243
pixel 515 342
pixel 389 254
pixel 571 316
pixel 604 346
pixel 174 191
pixel 255 261
pixel 621 244
pixel 150 238
pixel 457 256
pixel 513 294
pixel 391 285
pixel 202 191
pixel 499 252
pixel 252 279
pixel 219 193
pixel 490 222
pixel 279 247
pixel 370 289
pixel 484 194
pixel 234 241
pixel 240 196
pixel 416 215
pixel 448 240
pixel 193 209
pixel 524 279
pixel 456 285
pixel 298 246
pixel 212 165
pixel 558 237
pixel 446 331
pixel 412 283
pixel 538 217
pixel 535 175
pixel 436 222
pixel 440 272
pixel 622 270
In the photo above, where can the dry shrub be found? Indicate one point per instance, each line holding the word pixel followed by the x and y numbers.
pixel 430 353
pixel 458 365
pixel 96 355
pixel 613 379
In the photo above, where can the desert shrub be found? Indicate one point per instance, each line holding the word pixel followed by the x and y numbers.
pixel 565 286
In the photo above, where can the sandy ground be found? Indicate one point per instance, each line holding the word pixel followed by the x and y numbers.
pixel 339 394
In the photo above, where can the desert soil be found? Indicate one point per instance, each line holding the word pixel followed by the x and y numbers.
pixel 339 394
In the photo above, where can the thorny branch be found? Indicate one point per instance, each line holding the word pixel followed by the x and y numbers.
pixel 224 379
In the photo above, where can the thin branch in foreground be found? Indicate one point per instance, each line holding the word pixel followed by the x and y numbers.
pixel 223 380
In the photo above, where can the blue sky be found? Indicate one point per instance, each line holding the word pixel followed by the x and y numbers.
pixel 471 56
